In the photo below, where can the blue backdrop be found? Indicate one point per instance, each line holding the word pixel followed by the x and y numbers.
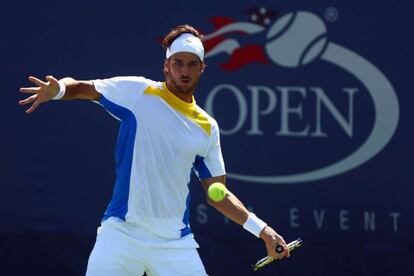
pixel 313 99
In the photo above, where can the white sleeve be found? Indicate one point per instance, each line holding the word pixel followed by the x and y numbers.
pixel 121 91
pixel 212 164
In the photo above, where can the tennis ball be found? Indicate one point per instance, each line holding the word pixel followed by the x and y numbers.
pixel 296 39
pixel 217 191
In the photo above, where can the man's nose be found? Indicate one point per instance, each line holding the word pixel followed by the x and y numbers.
pixel 186 70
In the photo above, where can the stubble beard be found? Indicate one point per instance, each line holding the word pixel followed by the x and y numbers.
pixel 181 88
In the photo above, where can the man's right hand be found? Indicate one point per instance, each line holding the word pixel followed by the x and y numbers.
pixel 273 239
pixel 44 92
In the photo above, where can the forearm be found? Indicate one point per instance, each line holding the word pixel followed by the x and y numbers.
pixel 232 208
pixel 75 89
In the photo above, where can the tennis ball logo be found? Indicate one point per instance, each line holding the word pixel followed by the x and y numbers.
pixel 217 191
pixel 296 39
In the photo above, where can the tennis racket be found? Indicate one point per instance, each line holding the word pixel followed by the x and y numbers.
pixel 279 249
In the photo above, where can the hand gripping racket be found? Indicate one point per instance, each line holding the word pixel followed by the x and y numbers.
pixel 279 249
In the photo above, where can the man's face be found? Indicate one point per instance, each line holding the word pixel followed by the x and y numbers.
pixel 183 71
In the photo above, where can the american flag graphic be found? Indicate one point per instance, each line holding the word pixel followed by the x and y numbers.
pixel 223 38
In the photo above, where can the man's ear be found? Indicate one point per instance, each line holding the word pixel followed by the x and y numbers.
pixel 166 65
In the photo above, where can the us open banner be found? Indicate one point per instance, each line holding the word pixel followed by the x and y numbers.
pixel 299 112
pixel 313 100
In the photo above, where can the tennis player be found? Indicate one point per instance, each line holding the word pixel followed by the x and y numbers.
pixel 163 136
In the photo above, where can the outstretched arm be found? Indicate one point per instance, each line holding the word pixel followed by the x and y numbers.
pixel 234 209
pixel 46 91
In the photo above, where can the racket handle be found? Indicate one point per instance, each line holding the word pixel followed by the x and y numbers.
pixel 279 249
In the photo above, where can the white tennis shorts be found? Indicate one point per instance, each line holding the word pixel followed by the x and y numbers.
pixel 122 249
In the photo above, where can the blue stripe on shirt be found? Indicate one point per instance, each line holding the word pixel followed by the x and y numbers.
pixel 201 168
pixel 118 206
pixel 186 219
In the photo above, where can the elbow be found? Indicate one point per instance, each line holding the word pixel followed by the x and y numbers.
pixel 216 204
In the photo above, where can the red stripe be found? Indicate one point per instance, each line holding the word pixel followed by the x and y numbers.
pixel 244 56
pixel 211 43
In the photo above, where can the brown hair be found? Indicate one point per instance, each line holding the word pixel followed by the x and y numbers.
pixel 177 31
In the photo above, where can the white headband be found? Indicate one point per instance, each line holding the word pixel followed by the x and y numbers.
pixel 186 43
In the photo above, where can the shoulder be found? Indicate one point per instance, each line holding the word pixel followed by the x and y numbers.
pixel 132 81
pixel 212 121
pixel 123 90
pixel 205 114
pixel 125 82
